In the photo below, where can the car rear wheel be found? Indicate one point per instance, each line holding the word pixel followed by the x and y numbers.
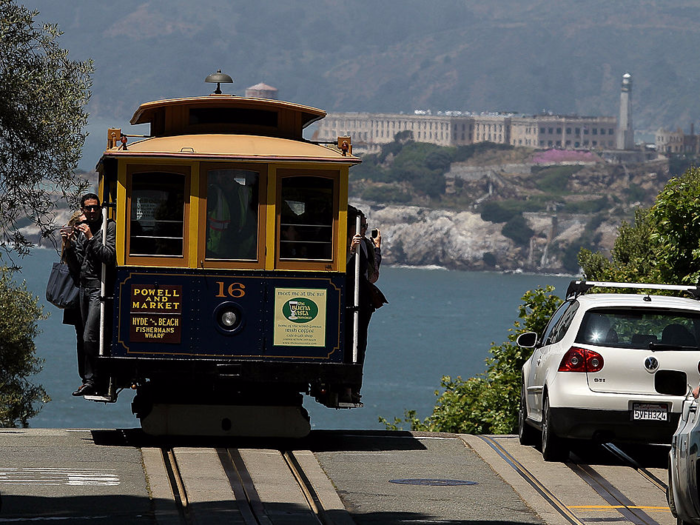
pixel 554 448
pixel 669 493
pixel 526 433
pixel 671 500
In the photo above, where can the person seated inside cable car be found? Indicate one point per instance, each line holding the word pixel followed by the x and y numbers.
pixel 232 214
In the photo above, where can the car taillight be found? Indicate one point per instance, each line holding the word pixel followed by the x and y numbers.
pixel 581 360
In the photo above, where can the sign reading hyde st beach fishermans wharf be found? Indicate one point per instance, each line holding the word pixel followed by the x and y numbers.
pixel 300 317
pixel 156 313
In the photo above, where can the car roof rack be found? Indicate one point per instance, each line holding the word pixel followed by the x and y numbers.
pixel 577 288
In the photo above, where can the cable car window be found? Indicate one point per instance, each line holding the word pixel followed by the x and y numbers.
pixel 306 222
pixel 232 214
pixel 157 214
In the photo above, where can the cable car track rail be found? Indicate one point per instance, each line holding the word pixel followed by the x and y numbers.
pixel 306 487
pixel 605 488
pixel 633 463
pixel 176 485
pixel 533 481
pixel 612 495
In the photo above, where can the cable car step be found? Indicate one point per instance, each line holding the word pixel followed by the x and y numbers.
pixel 106 398
pixel 343 404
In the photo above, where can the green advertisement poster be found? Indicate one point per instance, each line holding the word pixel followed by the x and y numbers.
pixel 300 317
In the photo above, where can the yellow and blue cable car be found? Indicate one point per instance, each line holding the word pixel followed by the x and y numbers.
pixel 229 300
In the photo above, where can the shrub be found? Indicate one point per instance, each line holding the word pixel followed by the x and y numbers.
pixel 414 154
pixel 369 169
pixel 518 231
pixel 679 164
pixel 635 193
pixel 392 148
pixel 19 312
pixel 466 152
pixel 386 194
pixel 404 136
pixel 554 179
pixel 586 207
pixel 492 211
pixel 439 160
pixel 432 184
pixel 570 257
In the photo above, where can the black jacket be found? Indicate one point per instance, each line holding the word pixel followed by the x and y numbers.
pixel 86 256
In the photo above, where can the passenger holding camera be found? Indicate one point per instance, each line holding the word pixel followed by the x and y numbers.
pixel 370 297
pixel 85 254
pixel 372 248
pixel 357 248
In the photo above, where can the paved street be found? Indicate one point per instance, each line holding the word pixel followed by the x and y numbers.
pixel 121 476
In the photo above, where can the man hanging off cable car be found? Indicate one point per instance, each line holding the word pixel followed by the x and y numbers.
pixel 86 253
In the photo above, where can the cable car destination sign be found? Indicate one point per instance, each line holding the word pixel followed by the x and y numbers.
pixel 156 313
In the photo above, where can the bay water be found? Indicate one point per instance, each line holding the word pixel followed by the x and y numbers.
pixel 437 323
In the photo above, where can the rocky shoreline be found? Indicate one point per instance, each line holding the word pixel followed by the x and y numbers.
pixel 462 240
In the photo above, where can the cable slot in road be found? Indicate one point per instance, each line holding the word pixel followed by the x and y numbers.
pixel 226 456
pixel 250 503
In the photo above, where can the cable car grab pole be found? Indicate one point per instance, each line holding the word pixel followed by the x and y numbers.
pixel 103 284
pixel 356 300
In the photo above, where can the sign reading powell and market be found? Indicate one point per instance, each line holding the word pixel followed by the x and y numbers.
pixel 300 317
pixel 155 313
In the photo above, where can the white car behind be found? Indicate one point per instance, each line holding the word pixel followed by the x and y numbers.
pixel 609 366
pixel 682 491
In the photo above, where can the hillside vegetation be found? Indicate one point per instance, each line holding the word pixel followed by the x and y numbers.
pixel 512 188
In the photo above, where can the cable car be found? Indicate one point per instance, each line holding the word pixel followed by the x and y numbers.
pixel 229 303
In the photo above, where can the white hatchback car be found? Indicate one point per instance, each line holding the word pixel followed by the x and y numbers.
pixel 610 366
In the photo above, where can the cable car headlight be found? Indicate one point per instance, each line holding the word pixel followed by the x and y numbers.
pixel 228 317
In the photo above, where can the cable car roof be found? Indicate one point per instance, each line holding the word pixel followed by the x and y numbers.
pixel 226 114
pixel 238 147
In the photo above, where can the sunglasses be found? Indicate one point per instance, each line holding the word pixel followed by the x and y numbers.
pixel 91 208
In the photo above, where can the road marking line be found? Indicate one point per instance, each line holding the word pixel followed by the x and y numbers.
pixel 607 507
pixel 59 476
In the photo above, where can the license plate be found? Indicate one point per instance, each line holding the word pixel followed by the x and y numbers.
pixel 649 412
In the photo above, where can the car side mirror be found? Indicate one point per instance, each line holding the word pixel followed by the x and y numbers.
pixel 527 340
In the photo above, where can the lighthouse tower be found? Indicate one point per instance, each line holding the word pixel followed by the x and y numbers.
pixel 625 133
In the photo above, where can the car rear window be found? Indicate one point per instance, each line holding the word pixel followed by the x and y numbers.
pixel 640 328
